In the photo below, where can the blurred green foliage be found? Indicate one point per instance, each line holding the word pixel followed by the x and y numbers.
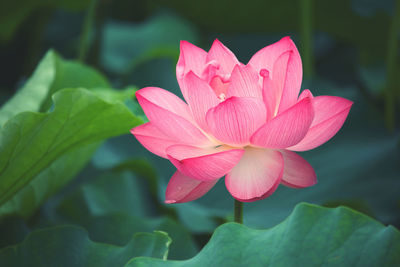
pixel 66 156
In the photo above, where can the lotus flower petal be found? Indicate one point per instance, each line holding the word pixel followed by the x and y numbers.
pixel 204 164
pixel 286 129
pixel 266 57
pixel 166 100
pixel 182 188
pixel 153 139
pixel 164 116
pixel 219 86
pixel 235 120
pixel 256 176
pixel 330 114
pixel 244 82
pixel 305 93
pixel 200 97
pixel 191 58
pixel 286 79
pixel 225 58
pixel 297 172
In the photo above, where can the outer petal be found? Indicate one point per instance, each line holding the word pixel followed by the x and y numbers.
pixel 286 76
pixel 165 100
pixel 204 164
pixel 153 139
pixel 266 57
pixel 170 123
pixel 225 58
pixel 286 129
pixel 235 120
pixel 330 114
pixel 244 82
pixel 297 172
pixel 200 97
pixel 191 58
pixel 184 189
pixel 257 175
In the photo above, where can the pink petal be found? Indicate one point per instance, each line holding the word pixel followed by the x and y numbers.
pixel 204 164
pixel 278 77
pixel 297 172
pixel 304 94
pixel 175 126
pixel 330 114
pixel 225 58
pixel 200 97
pixel 287 76
pixel 256 176
pixel 184 189
pixel 153 139
pixel 165 100
pixel 219 86
pixel 191 58
pixel 266 57
pixel 244 82
pixel 270 97
pixel 286 129
pixel 235 120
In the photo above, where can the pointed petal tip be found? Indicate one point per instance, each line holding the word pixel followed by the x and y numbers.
pixel 132 131
pixel 183 42
pixel 217 41
pixel 286 38
pixel 169 201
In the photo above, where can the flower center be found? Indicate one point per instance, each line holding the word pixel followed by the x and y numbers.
pixel 222 97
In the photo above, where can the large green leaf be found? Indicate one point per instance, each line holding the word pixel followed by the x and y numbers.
pixel 71 246
pixel 117 228
pixel 31 143
pixel 48 181
pixel 310 236
pixel 52 74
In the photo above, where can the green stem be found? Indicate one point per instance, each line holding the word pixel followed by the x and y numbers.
pixel 390 88
pixel 86 31
pixel 238 212
pixel 306 29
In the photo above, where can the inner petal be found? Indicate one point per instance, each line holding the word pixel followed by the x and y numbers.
pixel 219 86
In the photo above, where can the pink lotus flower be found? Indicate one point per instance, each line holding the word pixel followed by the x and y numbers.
pixel 239 121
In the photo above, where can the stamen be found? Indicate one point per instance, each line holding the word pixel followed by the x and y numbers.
pixel 222 97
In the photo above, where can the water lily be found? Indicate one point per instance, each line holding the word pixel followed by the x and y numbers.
pixel 244 122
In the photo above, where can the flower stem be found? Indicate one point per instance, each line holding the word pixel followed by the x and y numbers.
pixel 238 212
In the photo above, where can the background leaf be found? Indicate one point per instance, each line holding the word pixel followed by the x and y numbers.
pixel 71 246
pixel 310 236
pixel 117 204
pixel 126 45
pixel 31 142
pixel 52 74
